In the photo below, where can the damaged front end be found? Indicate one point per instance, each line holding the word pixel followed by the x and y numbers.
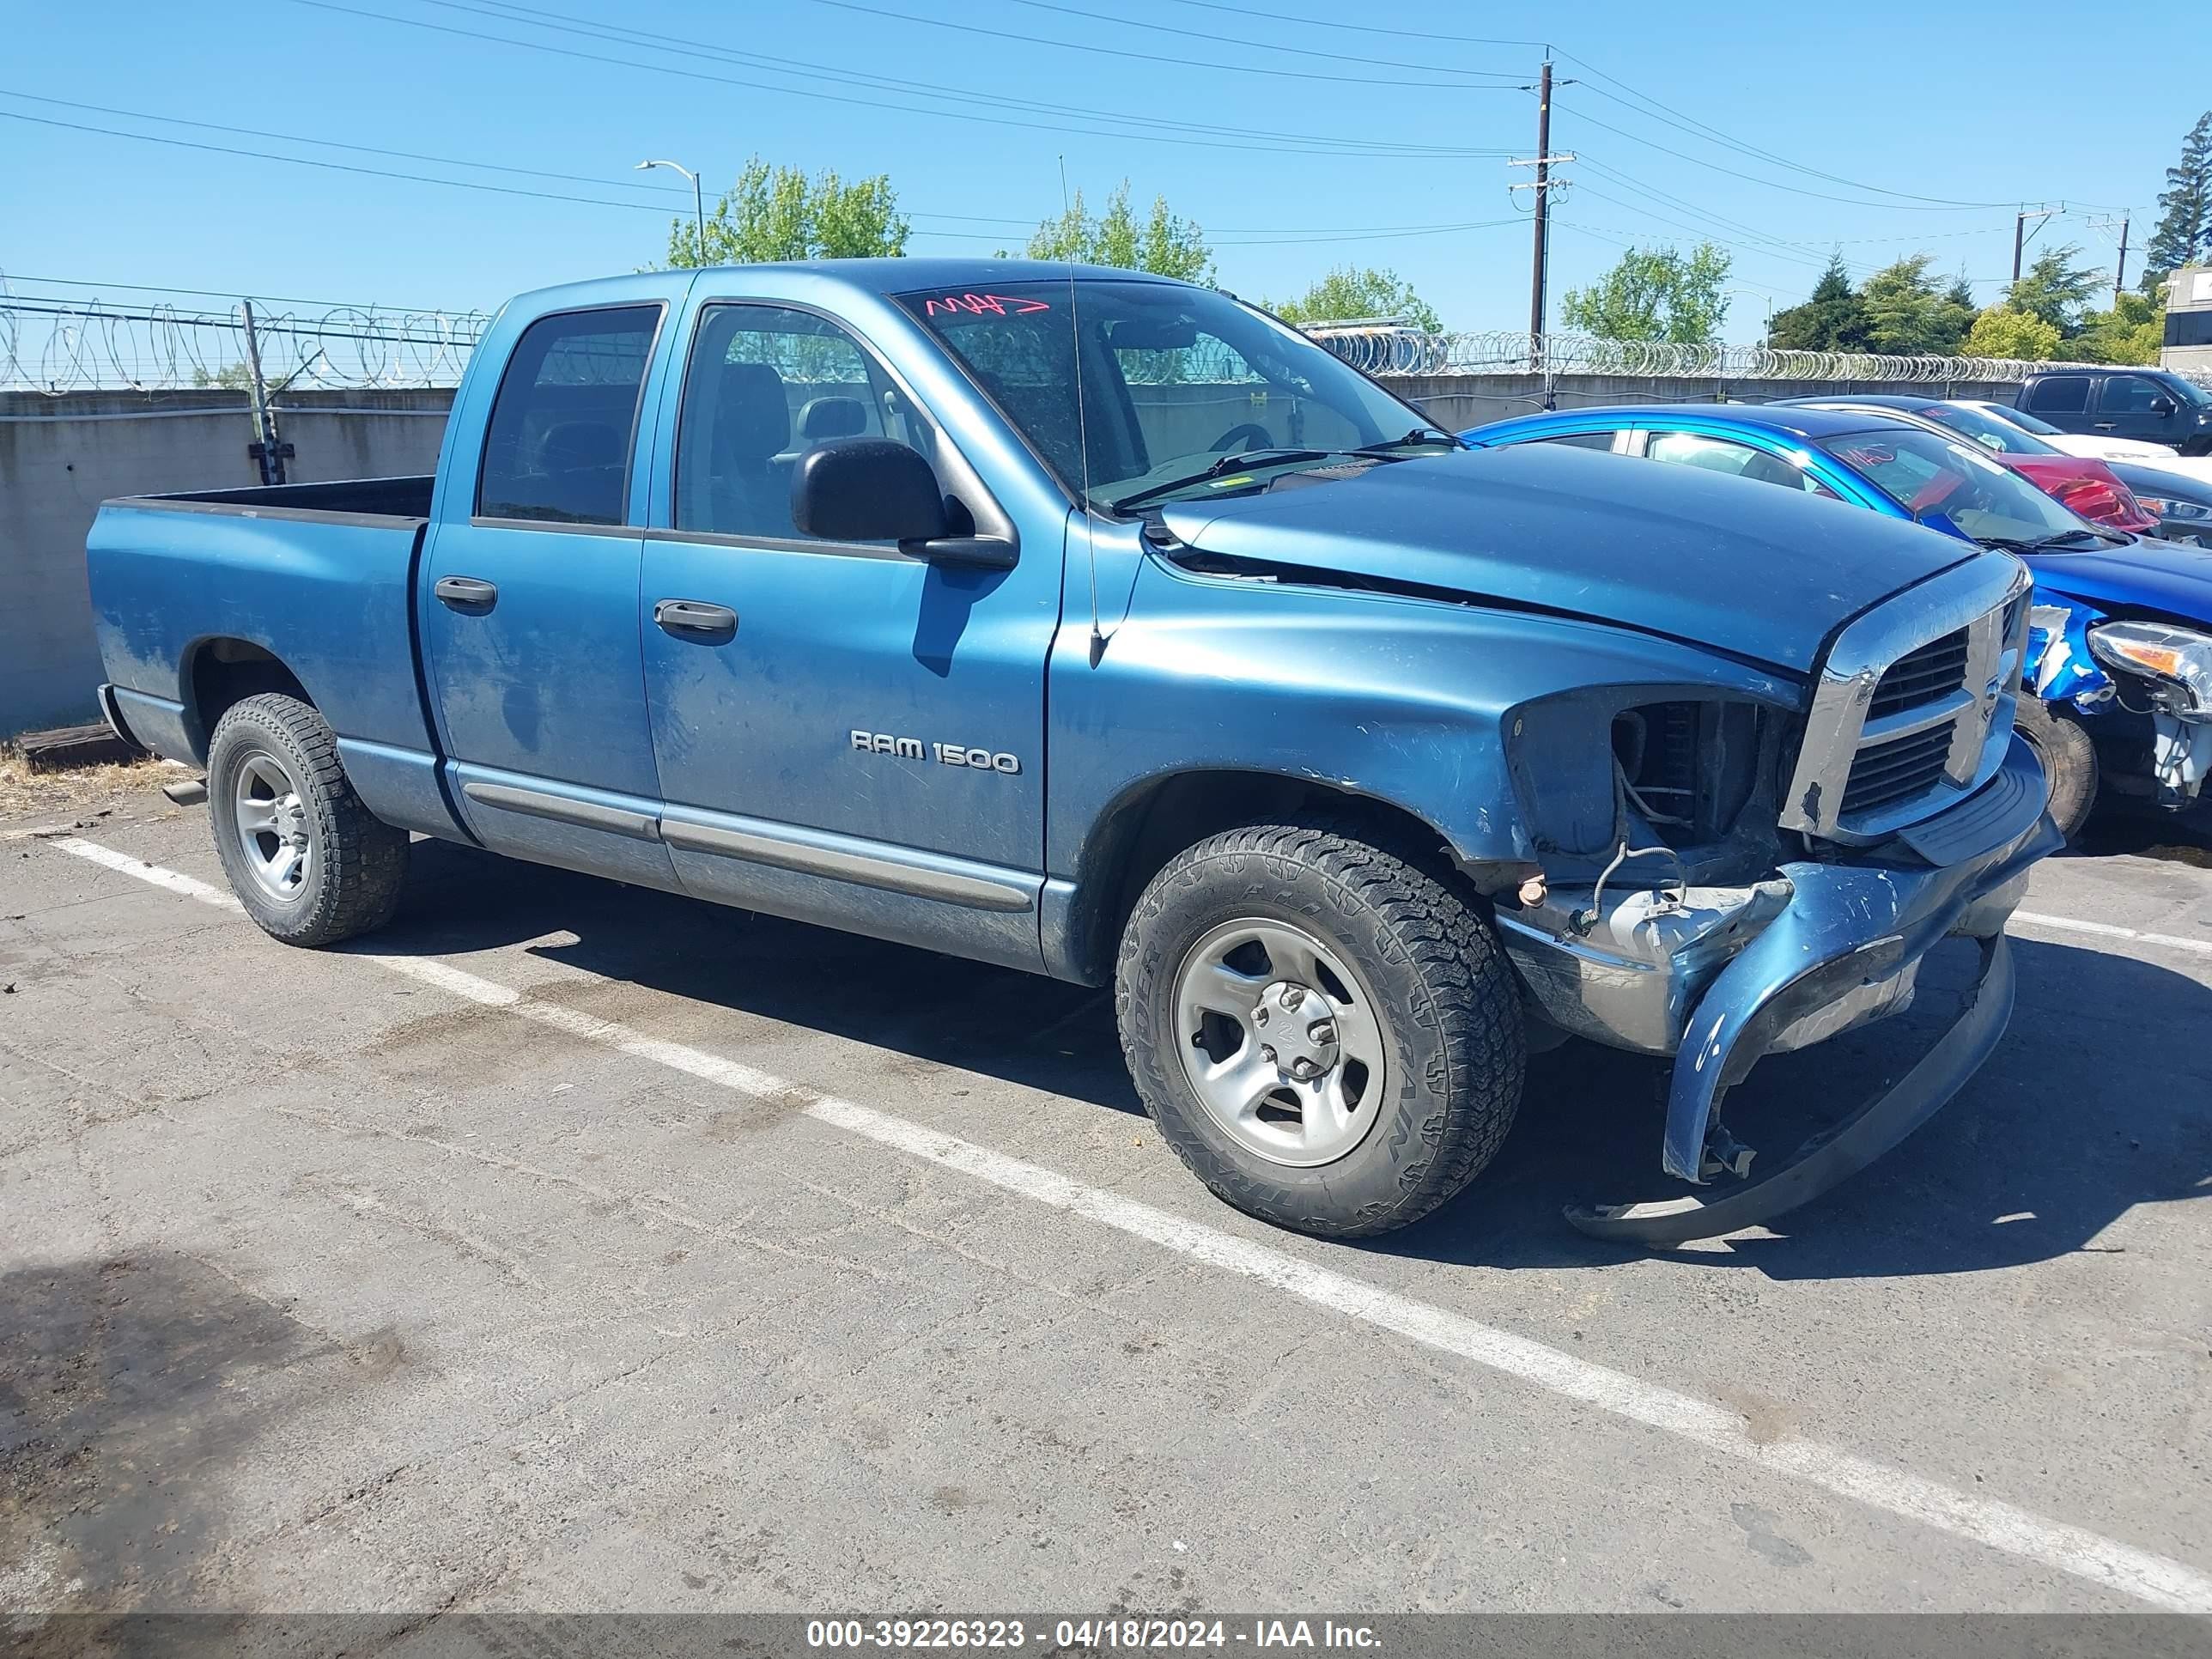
pixel 1909 813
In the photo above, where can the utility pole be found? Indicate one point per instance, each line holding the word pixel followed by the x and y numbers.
pixel 2120 271
pixel 1544 161
pixel 264 450
pixel 2021 238
pixel 1543 199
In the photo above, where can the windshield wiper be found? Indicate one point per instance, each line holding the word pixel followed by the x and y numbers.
pixel 1417 436
pixel 1231 463
pixel 2044 543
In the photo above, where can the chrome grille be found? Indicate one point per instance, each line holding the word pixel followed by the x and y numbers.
pixel 1912 708
pixel 1922 677
pixel 1895 770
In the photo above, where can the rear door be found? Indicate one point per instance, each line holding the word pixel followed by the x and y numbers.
pixel 530 612
pixel 2063 400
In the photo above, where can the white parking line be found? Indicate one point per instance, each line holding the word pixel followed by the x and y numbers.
pixel 2107 930
pixel 2157 1579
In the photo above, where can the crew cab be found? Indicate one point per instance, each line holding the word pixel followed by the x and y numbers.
pixel 2148 403
pixel 1101 626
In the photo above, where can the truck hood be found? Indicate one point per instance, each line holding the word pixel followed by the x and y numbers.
pixel 1751 569
pixel 2151 575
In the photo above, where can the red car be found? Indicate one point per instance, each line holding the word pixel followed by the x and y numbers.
pixel 2085 486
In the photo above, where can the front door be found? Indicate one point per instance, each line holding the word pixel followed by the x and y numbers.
pixel 530 619
pixel 845 734
pixel 2137 406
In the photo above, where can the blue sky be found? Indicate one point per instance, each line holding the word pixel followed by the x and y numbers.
pixel 1786 131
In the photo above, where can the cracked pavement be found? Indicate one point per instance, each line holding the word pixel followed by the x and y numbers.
pixel 322 1291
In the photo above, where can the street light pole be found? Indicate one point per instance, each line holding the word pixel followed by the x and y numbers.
pixel 698 201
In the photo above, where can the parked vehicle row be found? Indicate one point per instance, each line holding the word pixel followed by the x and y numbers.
pixel 2119 657
pixel 1099 626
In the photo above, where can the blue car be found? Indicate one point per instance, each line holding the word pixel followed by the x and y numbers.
pixel 2121 631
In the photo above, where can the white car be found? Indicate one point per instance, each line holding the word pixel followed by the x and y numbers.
pixel 2095 445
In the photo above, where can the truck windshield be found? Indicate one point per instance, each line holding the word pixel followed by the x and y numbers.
pixel 1932 478
pixel 1179 384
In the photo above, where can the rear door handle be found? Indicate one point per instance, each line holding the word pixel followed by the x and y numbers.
pixel 692 618
pixel 2105 426
pixel 467 592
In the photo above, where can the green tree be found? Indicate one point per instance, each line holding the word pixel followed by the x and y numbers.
pixel 1833 319
pixel 1655 294
pixel 1908 315
pixel 1162 243
pixel 2005 331
pixel 774 213
pixel 2132 332
pixel 2184 235
pixel 2055 289
pixel 1349 291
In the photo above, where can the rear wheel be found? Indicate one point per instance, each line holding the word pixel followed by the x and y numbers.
pixel 1328 1036
pixel 2069 762
pixel 307 861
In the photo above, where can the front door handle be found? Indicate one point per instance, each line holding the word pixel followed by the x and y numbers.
pixel 694 619
pixel 466 593
pixel 2105 426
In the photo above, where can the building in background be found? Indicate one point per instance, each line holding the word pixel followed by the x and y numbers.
pixel 2188 348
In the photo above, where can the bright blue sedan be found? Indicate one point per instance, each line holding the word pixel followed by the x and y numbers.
pixel 2107 604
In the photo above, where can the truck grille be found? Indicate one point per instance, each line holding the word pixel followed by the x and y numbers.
pixel 1922 677
pixel 1899 769
pixel 1912 710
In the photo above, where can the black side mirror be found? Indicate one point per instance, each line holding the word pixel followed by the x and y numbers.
pixel 871 489
pixel 866 490
pixel 2161 406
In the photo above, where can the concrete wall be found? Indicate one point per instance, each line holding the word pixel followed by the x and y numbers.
pixel 61 457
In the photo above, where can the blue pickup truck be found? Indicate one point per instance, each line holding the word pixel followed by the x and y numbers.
pixel 1104 627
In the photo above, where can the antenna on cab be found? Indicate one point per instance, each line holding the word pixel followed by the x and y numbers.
pixel 1082 432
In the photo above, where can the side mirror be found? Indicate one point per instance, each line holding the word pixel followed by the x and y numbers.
pixel 871 489
pixel 2161 406
pixel 866 490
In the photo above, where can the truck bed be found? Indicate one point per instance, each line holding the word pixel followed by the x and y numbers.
pixel 346 498
pixel 196 594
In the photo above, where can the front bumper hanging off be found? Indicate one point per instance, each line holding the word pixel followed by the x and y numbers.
pixel 1846 947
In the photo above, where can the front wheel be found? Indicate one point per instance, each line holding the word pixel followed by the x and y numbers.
pixel 1330 1037
pixel 2069 755
pixel 307 861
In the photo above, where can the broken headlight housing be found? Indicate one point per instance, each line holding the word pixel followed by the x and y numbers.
pixel 2179 658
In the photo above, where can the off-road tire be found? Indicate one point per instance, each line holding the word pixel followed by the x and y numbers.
pixel 2069 755
pixel 1427 956
pixel 360 862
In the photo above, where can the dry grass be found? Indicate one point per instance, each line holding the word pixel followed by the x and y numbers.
pixel 26 793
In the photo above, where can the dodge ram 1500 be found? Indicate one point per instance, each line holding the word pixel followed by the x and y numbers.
pixel 1103 626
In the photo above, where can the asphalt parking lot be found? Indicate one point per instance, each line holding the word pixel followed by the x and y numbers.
pixel 571 1247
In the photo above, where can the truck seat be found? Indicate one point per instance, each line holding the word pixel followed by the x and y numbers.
pixel 747 495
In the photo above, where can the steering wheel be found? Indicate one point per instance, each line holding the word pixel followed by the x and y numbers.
pixel 1250 434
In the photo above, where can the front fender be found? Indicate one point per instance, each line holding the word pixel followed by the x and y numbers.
pixel 1410 700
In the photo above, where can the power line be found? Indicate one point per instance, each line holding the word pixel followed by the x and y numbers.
pixel 7 277
pixel 1337 78
pixel 1279 19
pixel 331 166
pixel 1696 128
pixel 1214 38
pixel 512 11
pixel 1769 184
pixel 1302 143
pixel 1250 239
pixel 336 143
